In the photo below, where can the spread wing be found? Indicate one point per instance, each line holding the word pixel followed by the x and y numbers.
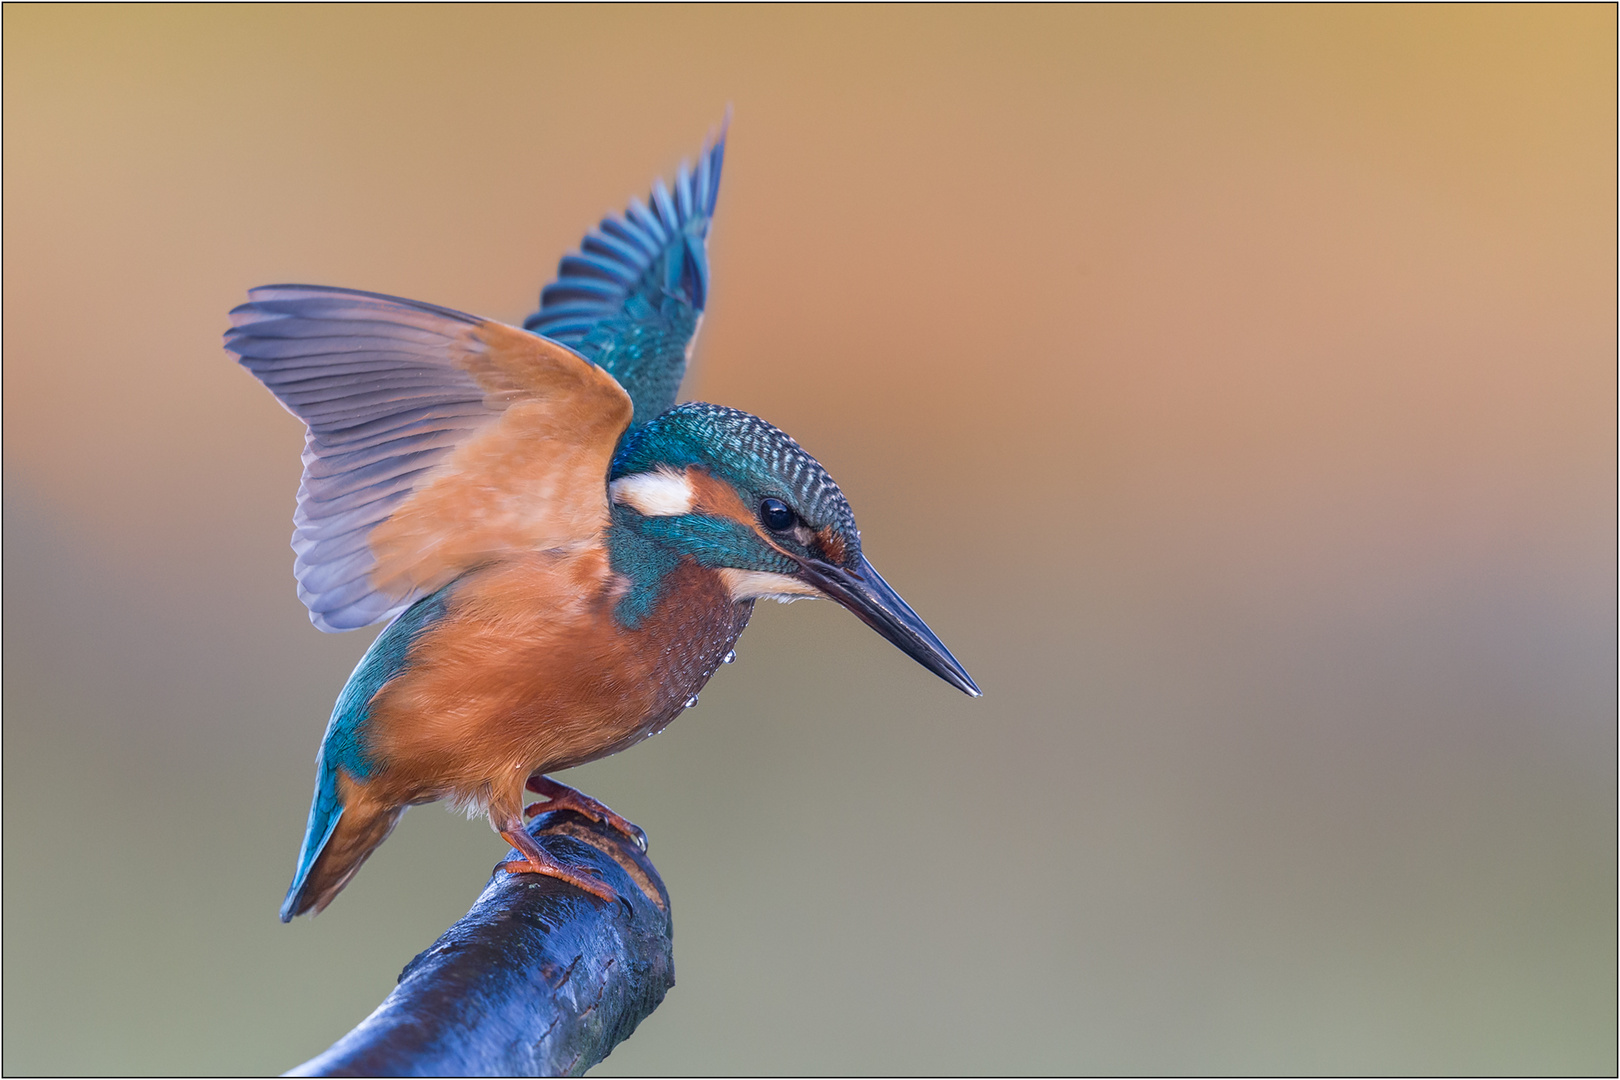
pixel 437 441
pixel 632 298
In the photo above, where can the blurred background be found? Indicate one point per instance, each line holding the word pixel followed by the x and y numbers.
pixel 1232 389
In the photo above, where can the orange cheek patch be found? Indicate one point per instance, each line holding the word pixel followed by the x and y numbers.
pixel 715 497
pixel 831 546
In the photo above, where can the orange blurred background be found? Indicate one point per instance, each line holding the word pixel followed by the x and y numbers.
pixel 1233 389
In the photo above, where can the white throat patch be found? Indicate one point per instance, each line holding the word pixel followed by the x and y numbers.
pixel 660 493
pixel 762 585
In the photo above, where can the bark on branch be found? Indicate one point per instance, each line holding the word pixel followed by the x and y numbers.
pixel 538 979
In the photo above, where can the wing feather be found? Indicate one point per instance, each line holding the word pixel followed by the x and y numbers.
pixel 633 295
pixel 436 441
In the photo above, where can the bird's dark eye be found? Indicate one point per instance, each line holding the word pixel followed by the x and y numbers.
pixel 776 515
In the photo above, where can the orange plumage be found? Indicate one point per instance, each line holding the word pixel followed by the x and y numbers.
pixel 527 672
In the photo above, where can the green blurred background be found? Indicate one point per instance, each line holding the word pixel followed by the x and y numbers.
pixel 1232 389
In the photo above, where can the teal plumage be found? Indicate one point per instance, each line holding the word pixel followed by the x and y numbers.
pixel 631 298
pixel 645 563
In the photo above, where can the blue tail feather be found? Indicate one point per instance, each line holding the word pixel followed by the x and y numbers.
pixel 344 744
pixel 324 811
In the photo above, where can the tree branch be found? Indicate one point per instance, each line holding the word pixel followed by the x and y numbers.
pixel 538 979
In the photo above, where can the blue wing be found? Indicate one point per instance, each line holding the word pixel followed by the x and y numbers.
pixel 631 298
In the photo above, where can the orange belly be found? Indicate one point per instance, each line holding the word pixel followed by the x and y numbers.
pixel 530 672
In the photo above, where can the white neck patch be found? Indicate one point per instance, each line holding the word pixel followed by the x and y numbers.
pixel 660 493
pixel 762 585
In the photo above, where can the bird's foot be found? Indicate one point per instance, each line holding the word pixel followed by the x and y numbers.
pixel 562 797
pixel 538 862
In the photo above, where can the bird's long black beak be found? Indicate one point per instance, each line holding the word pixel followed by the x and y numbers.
pixel 863 591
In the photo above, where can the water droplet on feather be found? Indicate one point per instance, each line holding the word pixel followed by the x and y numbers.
pixel 730 657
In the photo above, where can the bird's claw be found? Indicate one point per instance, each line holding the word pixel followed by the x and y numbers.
pixel 600 890
pixel 633 831
pixel 563 797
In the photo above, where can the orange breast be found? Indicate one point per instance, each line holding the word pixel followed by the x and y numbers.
pixel 529 672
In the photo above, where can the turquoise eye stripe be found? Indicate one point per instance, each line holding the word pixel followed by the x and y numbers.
pixel 717 542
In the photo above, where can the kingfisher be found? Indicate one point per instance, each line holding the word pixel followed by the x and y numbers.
pixel 562 554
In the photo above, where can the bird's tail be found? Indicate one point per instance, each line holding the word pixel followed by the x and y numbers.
pixel 343 831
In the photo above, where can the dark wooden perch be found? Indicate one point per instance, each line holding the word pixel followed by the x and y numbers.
pixel 538 979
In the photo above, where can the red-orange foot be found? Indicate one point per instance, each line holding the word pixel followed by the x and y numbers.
pixel 562 797
pixel 545 864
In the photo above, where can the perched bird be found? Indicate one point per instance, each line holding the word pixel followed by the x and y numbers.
pixel 565 554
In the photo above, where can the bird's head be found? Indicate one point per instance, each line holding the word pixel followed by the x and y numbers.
pixel 740 496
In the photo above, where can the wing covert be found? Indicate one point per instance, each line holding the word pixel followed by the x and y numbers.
pixel 633 295
pixel 436 441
